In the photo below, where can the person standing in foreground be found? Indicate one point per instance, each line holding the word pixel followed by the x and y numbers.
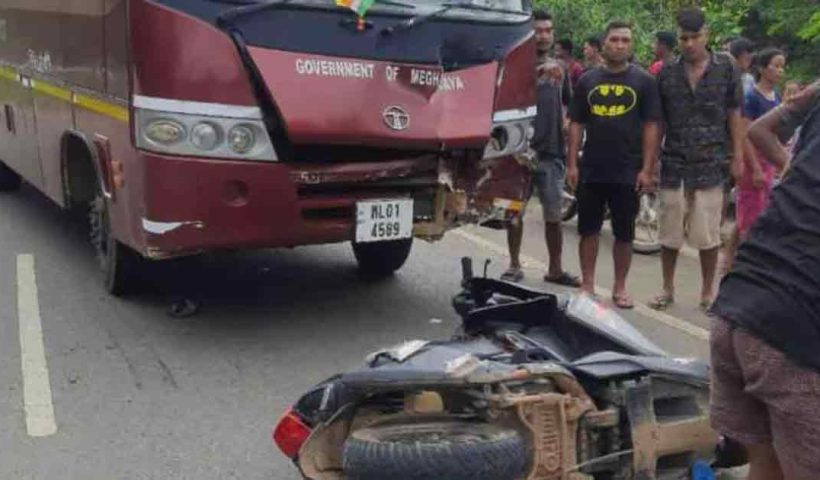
pixel 548 143
pixel 619 108
pixel 664 49
pixel 765 336
pixel 701 96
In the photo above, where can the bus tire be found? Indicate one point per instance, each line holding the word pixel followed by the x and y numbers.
pixel 9 179
pixel 382 259
pixel 118 263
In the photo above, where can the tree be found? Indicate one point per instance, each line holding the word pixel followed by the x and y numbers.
pixel 793 25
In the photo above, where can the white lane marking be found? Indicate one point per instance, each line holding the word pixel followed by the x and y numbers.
pixel 527 261
pixel 37 400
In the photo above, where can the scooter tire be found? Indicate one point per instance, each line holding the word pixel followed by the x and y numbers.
pixel 452 450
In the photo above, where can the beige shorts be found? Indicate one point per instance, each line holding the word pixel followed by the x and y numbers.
pixel 691 215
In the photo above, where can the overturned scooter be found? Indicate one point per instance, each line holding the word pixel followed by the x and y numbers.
pixel 534 386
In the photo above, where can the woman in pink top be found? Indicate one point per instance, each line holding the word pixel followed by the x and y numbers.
pixel 759 172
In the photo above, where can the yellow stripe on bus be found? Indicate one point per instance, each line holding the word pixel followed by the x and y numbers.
pixel 102 107
pixel 113 110
pixel 7 73
pixel 48 89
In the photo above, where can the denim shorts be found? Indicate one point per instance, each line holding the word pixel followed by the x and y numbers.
pixel 548 183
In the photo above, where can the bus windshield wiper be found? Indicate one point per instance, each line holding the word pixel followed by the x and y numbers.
pixel 246 7
pixel 236 2
pixel 445 7
pixel 483 8
pixel 415 21
pixel 394 3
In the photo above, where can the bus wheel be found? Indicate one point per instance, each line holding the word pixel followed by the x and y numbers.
pixel 118 263
pixel 381 259
pixel 9 179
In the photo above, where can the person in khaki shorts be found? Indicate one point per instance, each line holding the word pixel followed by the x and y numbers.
pixel 701 96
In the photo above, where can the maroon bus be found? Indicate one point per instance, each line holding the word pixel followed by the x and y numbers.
pixel 183 126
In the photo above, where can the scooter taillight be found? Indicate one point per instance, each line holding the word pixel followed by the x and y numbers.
pixel 290 434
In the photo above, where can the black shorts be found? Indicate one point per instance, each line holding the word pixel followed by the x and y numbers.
pixel 622 201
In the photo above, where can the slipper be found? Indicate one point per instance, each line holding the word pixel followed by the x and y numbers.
pixel 565 279
pixel 706 307
pixel 623 302
pixel 662 302
pixel 513 275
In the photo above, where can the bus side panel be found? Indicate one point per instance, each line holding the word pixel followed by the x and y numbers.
pixel 83 48
pixel 116 48
pixel 10 144
pixel 98 54
pixel 113 136
pixel 25 156
pixel 84 36
pixel 54 117
pixel 17 102
pixel 52 99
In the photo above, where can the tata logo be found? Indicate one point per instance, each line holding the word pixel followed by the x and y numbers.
pixel 396 118
pixel 611 100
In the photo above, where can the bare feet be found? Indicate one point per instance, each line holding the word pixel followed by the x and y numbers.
pixel 587 289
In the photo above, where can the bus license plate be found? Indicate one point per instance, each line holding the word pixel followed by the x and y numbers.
pixel 384 220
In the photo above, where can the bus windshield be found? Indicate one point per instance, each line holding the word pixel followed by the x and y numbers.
pixel 470 9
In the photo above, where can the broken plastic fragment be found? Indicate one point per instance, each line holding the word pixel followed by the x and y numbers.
pixel 462 366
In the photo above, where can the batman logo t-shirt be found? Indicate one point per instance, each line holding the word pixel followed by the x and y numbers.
pixel 613 108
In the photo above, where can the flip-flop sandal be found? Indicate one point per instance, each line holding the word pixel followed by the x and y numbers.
pixel 662 302
pixel 623 302
pixel 513 275
pixel 565 279
pixel 706 307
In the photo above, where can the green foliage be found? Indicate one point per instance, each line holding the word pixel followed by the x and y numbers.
pixel 811 29
pixel 580 19
pixel 726 17
pixel 793 25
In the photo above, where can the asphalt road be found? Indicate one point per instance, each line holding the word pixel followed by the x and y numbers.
pixel 136 394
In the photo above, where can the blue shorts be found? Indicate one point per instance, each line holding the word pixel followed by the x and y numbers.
pixel 548 183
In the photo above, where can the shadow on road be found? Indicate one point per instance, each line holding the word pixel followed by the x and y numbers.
pixel 249 288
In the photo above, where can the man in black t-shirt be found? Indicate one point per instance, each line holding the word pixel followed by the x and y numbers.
pixel 619 107
pixel 765 340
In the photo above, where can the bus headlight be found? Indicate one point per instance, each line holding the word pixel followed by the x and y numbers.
pixel 205 136
pixel 198 129
pixel 241 139
pixel 511 133
pixel 165 132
